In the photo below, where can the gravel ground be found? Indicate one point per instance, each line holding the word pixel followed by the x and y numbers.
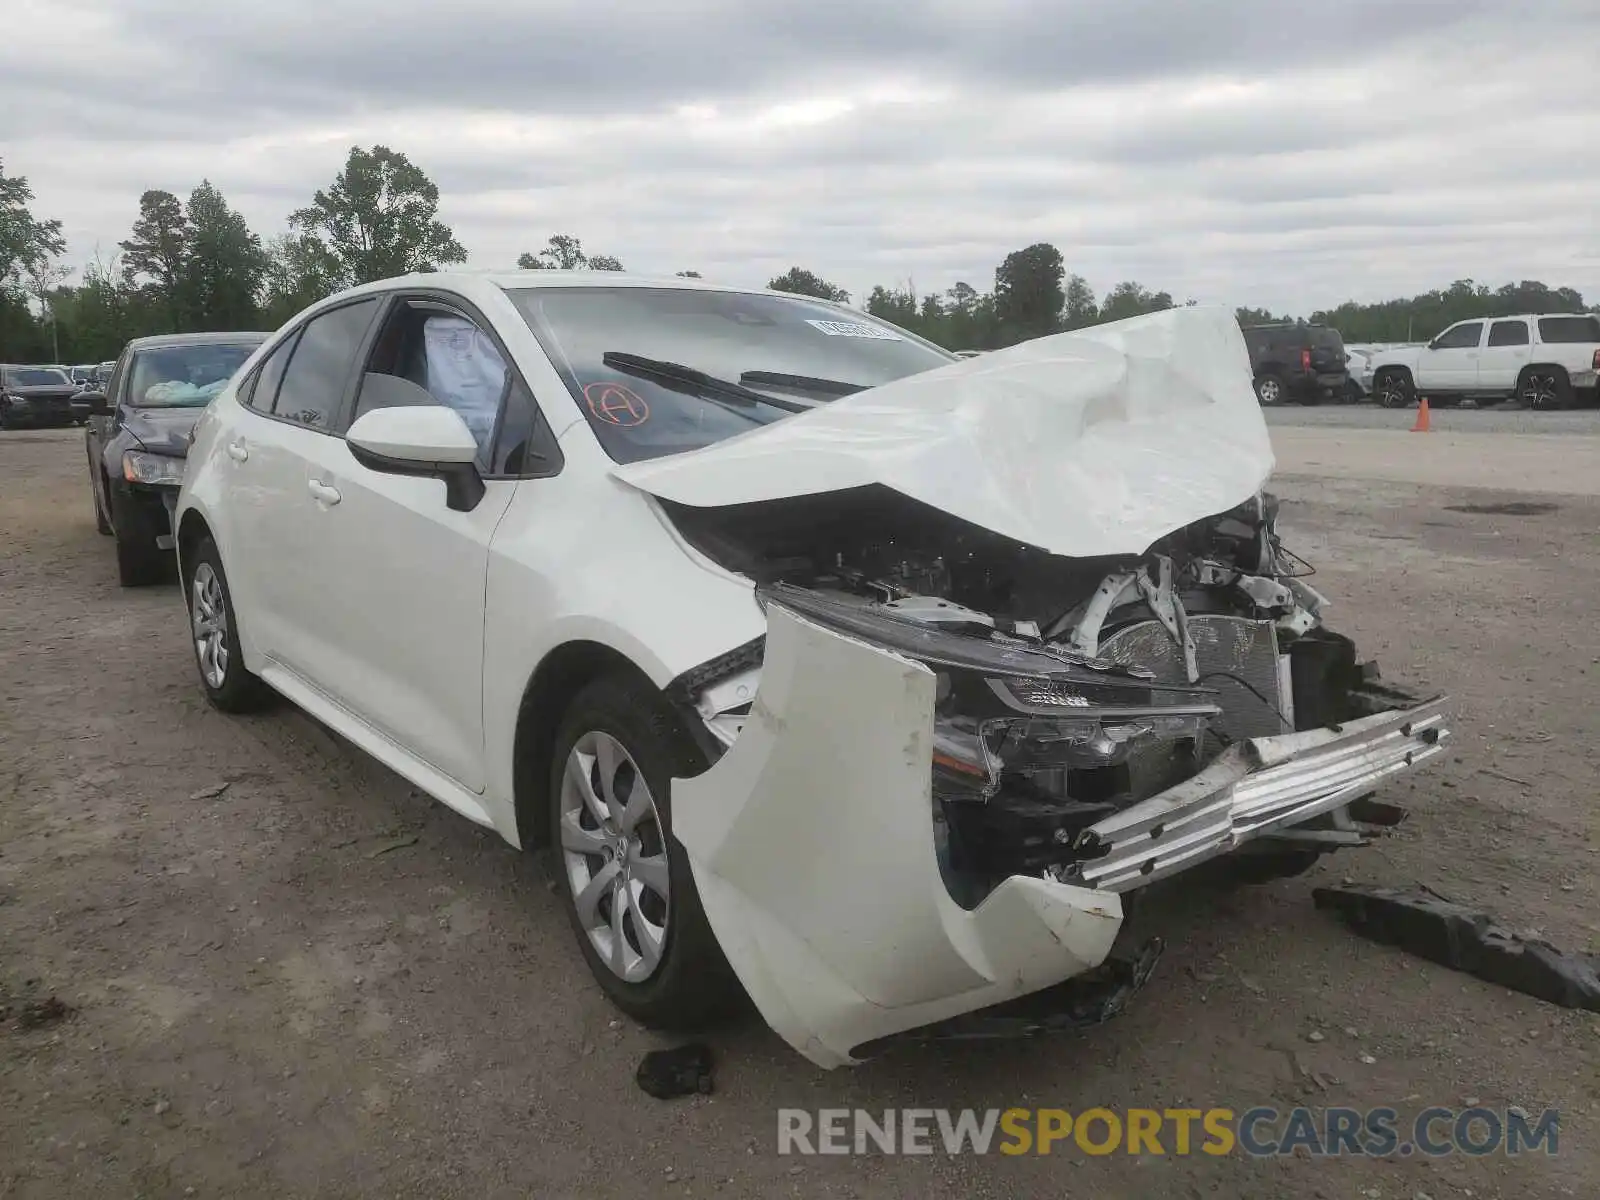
pixel 313 981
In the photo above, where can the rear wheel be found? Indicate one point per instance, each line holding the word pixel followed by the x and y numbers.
pixel 625 880
pixel 1544 388
pixel 1269 389
pixel 1394 389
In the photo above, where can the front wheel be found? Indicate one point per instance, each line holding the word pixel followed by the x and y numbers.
pixel 214 633
pixel 625 880
pixel 101 525
pixel 1394 388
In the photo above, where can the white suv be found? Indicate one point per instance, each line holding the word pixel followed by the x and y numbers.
pixel 1546 361
pixel 827 663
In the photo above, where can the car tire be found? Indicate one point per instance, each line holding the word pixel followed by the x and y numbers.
pixel 621 726
pixel 1352 392
pixel 101 525
pixel 218 655
pixel 1270 389
pixel 1394 389
pixel 1544 388
pixel 140 562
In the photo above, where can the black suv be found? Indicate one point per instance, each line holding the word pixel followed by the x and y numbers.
pixel 1296 362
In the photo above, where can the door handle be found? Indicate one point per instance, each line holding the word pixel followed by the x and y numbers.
pixel 324 493
pixel 237 451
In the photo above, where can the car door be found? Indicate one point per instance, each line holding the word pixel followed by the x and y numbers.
pixel 399 603
pixel 1506 351
pixel 99 429
pixel 1450 361
pixel 290 413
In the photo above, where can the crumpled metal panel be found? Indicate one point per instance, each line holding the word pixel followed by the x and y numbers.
pixel 1255 787
pixel 1228 650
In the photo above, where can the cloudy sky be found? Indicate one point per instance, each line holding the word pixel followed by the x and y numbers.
pixel 1267 152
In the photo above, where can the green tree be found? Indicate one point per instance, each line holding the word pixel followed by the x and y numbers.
pixel 23 239
pixel 1129 299
pixel 565 253
pixel 380 218
pixel 298 271
pixel 1028 296
pixel 1080 307
pixel 1256 316
pixel 805 283
pixel 155 255
pixel 688 274
pixel 224 266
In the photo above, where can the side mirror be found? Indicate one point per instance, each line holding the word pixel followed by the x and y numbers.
pixel 419 437
pixel 98 405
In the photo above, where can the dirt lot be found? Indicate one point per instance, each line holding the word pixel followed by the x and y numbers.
pixel 316 982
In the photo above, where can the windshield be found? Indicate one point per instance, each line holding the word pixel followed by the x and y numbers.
pixel 743 338
pixel 184 376
pixel 35 377
pixel 1324 338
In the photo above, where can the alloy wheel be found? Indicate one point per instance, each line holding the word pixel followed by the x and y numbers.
pixel 614 855
pixel 1539 390
pixel 1393 393
pixel 209 616
pixel 1269 391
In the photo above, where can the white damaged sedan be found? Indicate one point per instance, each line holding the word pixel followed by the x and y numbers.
pixel 835 670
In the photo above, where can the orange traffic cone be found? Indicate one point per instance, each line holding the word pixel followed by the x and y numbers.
pixel 1422 417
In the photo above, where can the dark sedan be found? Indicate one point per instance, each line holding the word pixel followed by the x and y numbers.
pixel 37 396
pixel 138 437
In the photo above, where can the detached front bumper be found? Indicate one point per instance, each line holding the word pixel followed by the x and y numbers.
pixel 812 844
pixel 1256 787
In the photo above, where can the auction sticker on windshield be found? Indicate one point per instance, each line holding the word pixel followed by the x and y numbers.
pixel 856 330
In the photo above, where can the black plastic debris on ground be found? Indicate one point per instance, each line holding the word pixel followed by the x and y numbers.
pixel 35 1014
pixel 1428 925
pixel 681 1071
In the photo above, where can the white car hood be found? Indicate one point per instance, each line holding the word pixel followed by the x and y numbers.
pixel 1098 442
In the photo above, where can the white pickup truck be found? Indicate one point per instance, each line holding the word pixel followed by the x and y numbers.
pixel 1545 360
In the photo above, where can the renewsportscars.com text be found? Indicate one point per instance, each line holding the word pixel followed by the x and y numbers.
pixel 1259 1132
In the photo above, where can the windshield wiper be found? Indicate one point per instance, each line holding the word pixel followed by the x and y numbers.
pixel 693 382
pixel 832 388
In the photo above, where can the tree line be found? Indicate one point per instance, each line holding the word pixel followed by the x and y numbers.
pixel 195 264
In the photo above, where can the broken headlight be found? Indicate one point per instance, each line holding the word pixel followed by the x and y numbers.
pixel 1008 707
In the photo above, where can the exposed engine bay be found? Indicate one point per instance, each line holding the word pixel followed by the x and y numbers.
pixel 1068 690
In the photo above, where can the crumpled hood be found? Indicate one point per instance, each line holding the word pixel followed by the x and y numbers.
pixel 163 430
pixel 1098 442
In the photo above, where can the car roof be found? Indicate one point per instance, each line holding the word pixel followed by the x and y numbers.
pixel 1531 316
pixel 468 282
pixel 212 338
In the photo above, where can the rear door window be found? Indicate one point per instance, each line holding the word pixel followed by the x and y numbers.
pixel 1569 329
pixel 1508 333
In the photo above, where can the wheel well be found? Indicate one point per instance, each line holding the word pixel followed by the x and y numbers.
pixel 191 529
pixel 565 671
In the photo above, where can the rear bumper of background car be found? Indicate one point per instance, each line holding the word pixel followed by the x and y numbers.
pixel 812 843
